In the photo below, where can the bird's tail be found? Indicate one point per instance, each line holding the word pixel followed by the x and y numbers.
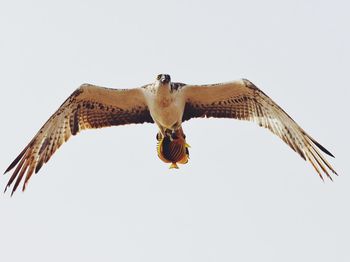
pixel 174 151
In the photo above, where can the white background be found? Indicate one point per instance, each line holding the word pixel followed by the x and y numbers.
pixel 244 195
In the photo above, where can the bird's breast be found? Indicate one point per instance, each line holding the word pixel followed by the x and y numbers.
pixel 167 112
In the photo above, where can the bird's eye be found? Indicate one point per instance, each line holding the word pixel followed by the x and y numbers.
pixel 158 77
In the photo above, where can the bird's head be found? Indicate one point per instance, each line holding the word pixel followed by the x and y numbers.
pixel 163 79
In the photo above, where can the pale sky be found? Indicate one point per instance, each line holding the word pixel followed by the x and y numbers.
pixel 243 196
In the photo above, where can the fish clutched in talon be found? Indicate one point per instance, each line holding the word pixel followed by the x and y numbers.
pixel 173 149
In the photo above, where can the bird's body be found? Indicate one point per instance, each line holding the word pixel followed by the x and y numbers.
pixel 167 104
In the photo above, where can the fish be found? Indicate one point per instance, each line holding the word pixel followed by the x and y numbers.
pixel 174 151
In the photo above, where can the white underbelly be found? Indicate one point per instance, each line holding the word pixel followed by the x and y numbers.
pixel 169 116
pixel 166 108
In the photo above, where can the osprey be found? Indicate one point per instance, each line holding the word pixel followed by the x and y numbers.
pixel 168 105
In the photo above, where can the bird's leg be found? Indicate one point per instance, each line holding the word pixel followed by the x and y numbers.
pixel 177 133
pixel 172 134
pixel 161 133
pixel 165 133
pixel 168 133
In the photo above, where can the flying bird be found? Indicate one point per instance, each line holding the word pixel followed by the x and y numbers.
pixel 167 104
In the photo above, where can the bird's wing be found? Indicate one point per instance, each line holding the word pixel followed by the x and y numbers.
pixel 87 108
pixel 243 100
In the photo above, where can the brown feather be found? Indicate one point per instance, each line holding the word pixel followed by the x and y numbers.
pixel 88 107
pixel 243 100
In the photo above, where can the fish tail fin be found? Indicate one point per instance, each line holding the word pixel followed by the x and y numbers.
pixel 174 165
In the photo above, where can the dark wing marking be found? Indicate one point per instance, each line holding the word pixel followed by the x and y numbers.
pixel 176 86
pixel 89 107
pixel 243 100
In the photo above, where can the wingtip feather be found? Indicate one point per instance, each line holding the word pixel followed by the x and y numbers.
pixel 321 147
pixel 19 157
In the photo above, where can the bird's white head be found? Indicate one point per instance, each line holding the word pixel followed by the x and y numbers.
pixel 163 79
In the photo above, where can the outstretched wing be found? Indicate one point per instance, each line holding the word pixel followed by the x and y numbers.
pixel 88 107
pixel 243 100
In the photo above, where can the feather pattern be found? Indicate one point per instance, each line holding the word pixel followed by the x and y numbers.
pixel 167 104
pixel 89 107
pixel 244 101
